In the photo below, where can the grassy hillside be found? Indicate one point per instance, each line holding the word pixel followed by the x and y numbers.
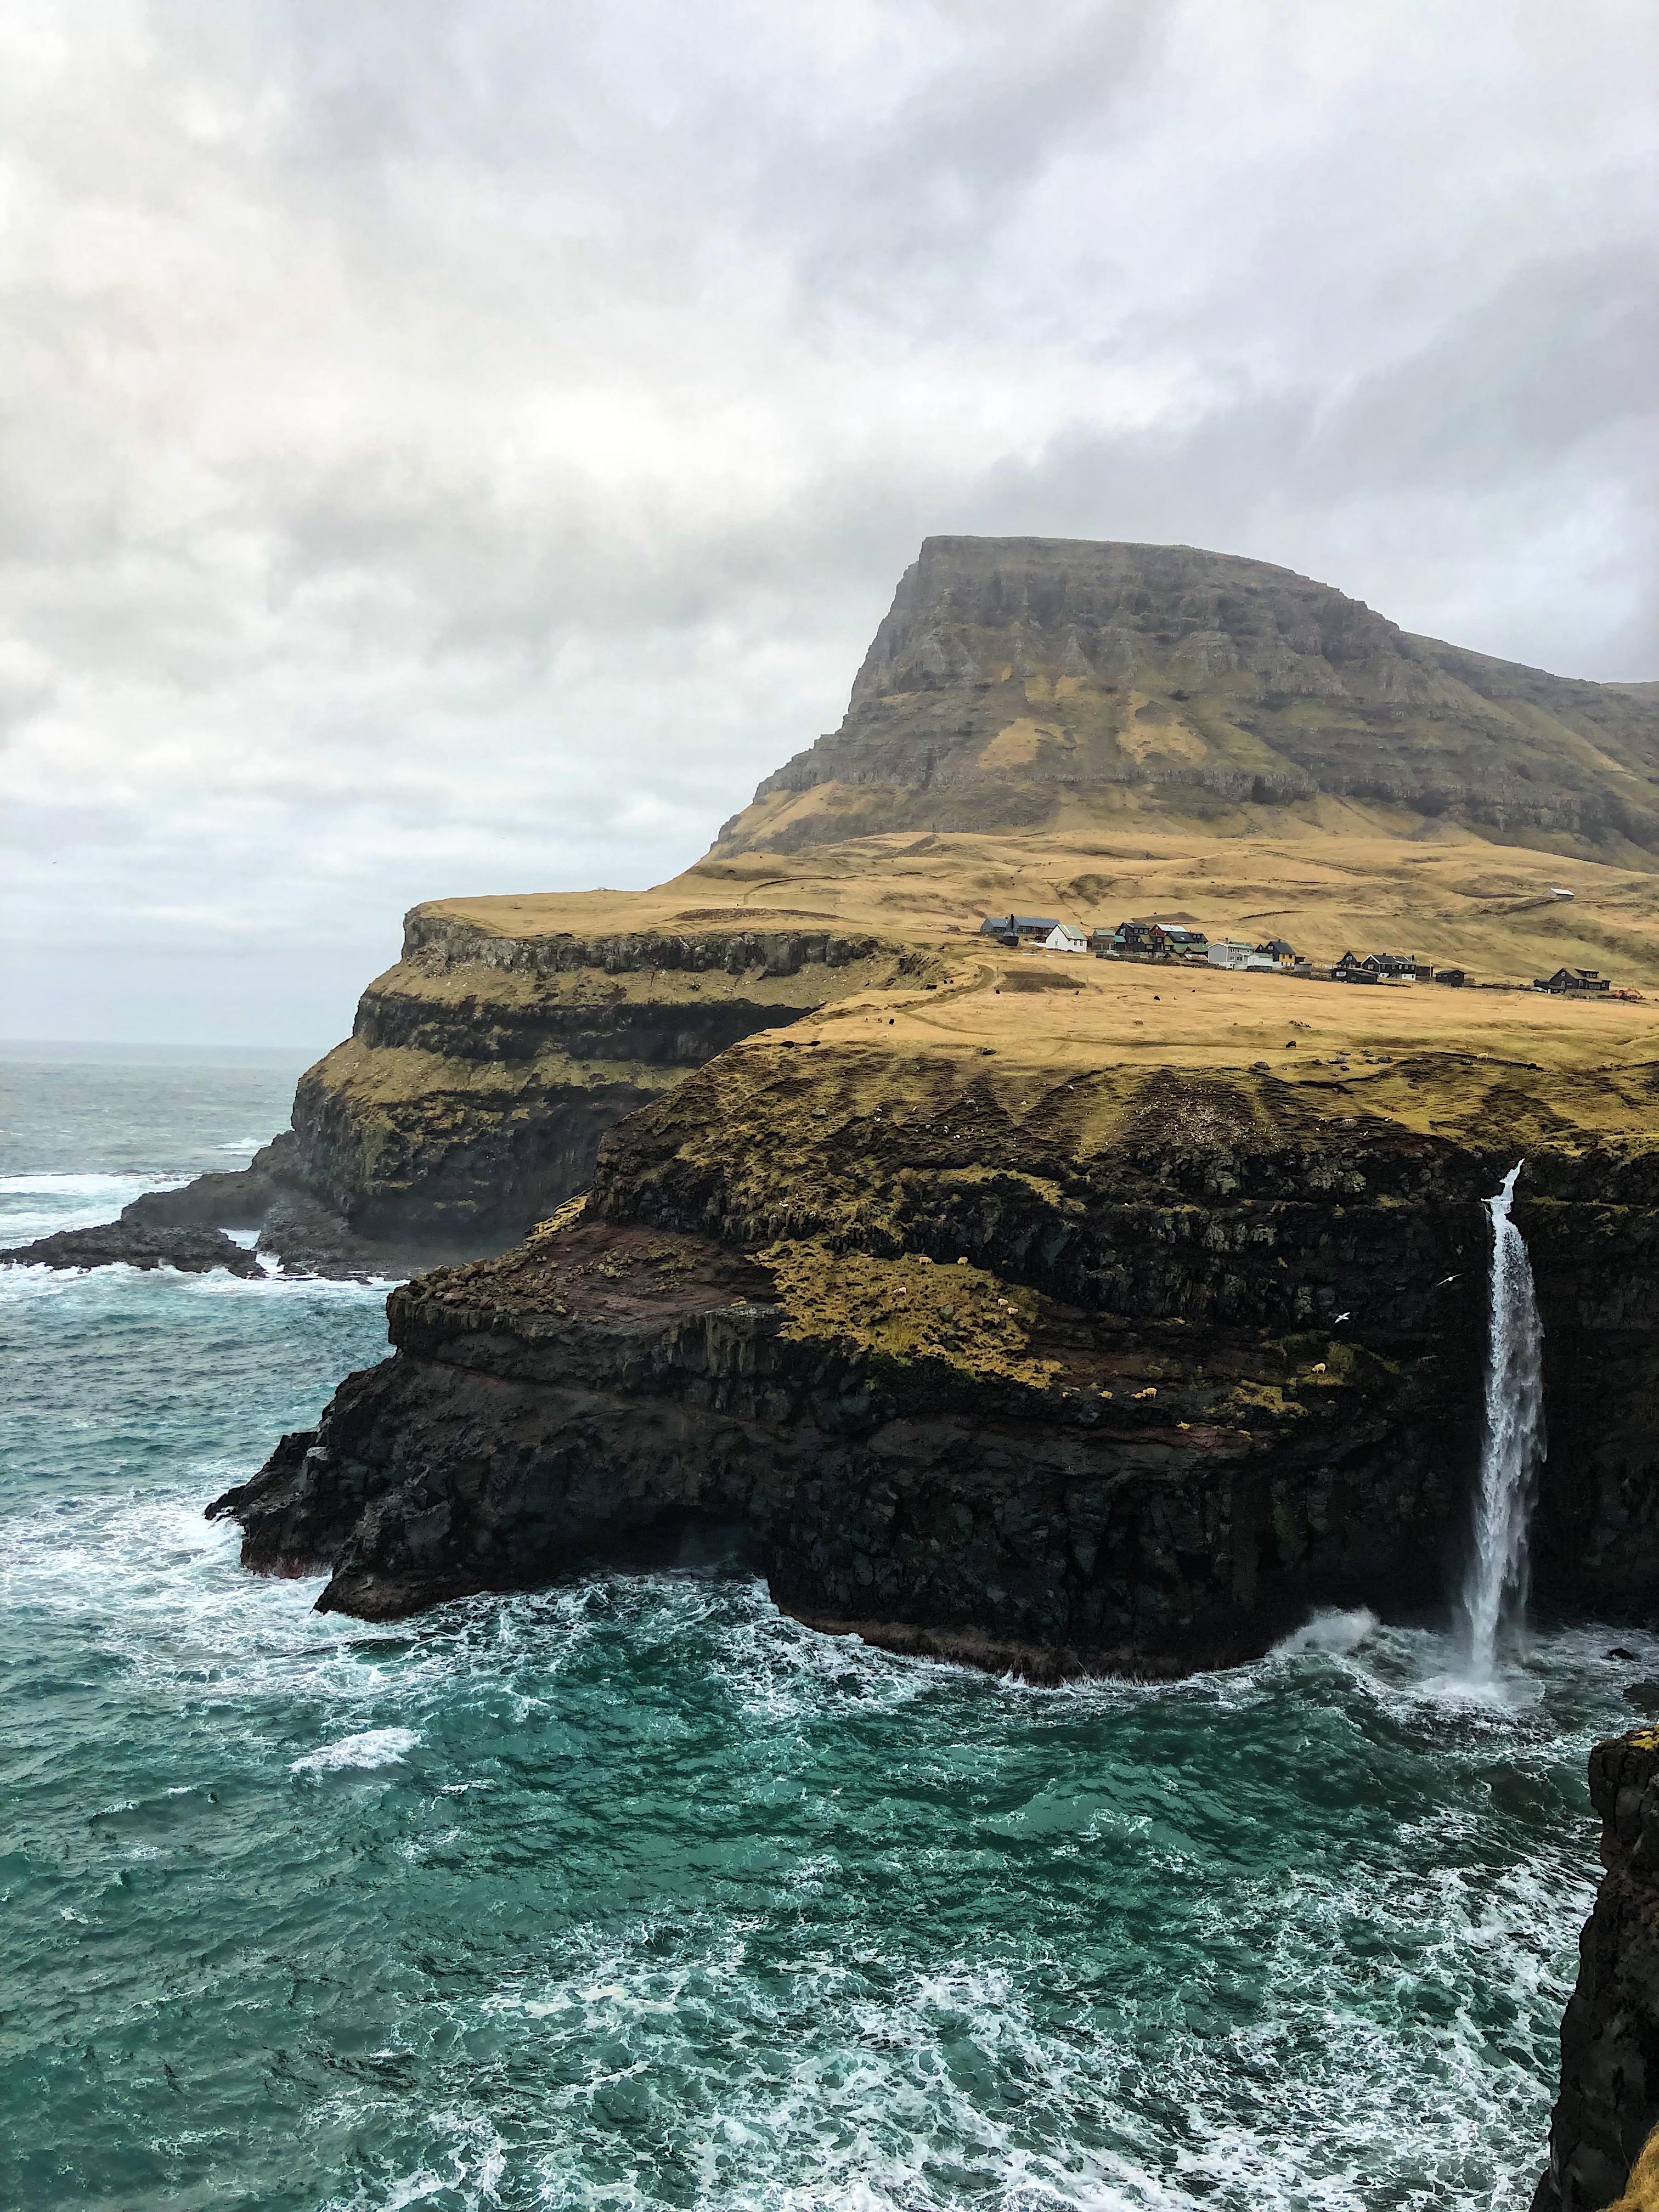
pixel 1453 899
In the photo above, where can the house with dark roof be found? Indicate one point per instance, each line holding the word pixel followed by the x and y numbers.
pixel 1573 979
pixel 1019 928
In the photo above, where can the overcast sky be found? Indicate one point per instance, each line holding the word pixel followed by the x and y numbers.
pixel 462 445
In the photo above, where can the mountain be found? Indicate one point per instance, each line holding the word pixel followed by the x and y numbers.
pixel 1039 683
pixel 1087 731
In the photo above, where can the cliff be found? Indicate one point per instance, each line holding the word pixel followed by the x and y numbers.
pixel 484 1069
pixel 1058 1370
pixel 1609 2100
pixel 1025 682
pixel 1083 730
pixel 1055 1316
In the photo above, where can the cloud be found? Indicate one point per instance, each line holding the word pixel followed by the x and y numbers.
pixel 464 447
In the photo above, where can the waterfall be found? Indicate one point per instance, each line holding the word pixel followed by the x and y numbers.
pixel 1512 1449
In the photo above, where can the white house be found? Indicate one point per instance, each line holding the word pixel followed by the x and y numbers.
pixel 1063 938
pixel 1232 953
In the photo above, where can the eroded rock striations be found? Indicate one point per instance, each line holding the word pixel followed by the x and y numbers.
pixel 1609 2099
pixel 1014 678
pixel 1118 1373
pixel 483 1070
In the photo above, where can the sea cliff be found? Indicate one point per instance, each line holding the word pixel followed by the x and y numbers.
pixel 1120 1371
pixel 1609 2099
pixel 483 1069
pixel 1047 726
pixel 1055 1317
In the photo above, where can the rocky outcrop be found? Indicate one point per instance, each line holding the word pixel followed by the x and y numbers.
pixel 483 1070
pixel 615 1392
pixel 1609 2099
pixel 1014 678
pixel 127 1244
pixel 1123 1375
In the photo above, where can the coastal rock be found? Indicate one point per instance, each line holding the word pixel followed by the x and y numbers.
pixel 1609 2099
pixel 124 1243
pixel 1012 1493
pixel 483 1072
pixel 1123 1378
pixel 238 1200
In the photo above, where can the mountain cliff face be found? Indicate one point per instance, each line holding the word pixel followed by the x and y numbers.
pixel 1019 682
pixel 483 1070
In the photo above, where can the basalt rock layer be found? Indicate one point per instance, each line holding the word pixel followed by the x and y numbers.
pixel 1121 1372
pixel 123 1244
pixel 484 1069
pixel 1017 678
pixel 1609 2099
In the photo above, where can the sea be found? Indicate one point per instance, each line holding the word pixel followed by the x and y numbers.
pixel 632 1894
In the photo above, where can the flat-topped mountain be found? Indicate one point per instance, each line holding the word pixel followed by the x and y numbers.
pixel 1043 727
pixel 1024 682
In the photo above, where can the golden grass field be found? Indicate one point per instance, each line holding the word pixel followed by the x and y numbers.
pixel 1456 901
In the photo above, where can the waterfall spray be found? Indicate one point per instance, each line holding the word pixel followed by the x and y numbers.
pixel 1512 1449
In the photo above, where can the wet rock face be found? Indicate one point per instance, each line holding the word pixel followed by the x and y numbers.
pixel 606 1397
pixel 1609 2099
pixel 1073 1399
pixel 124 1243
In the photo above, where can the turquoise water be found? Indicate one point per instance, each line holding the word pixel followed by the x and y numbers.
pixel 634 1894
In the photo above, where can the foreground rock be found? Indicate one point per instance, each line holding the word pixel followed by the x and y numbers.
pixel 131 1244
pixel 1609 2100
pixel 1122 1375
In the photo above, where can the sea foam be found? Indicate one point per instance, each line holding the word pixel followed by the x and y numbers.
pixel 380 1747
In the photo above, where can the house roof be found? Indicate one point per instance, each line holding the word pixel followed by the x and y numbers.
pixel 1018 921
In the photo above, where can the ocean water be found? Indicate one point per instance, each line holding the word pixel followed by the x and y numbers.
pixel 634 1894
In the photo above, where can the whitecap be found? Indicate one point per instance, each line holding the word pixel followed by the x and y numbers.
pixel 83 1186
pixel 33 1206
pixel 1329 1631
pixel 381 1747
pixel 244 1144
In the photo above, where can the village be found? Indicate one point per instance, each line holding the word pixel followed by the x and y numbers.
pixel 1151 940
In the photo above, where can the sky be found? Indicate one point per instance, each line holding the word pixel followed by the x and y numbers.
pixel 461 446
